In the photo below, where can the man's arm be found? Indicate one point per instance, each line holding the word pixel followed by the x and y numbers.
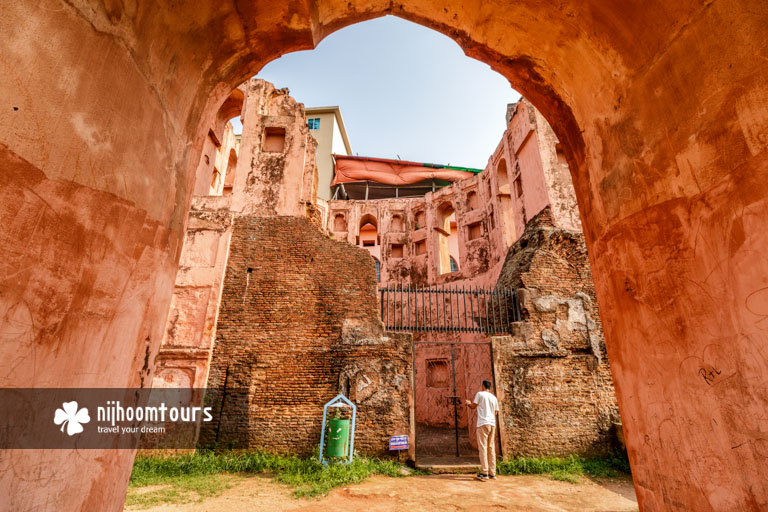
pixel 470 404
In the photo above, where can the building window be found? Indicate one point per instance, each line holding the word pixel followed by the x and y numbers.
pixel 396 251
pixel 378 269
pixel 454 265
pixel 314 123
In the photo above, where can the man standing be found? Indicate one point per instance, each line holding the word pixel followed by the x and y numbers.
pixel 487 406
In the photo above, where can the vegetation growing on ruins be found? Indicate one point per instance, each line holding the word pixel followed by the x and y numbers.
pixel 568 469
pixel 196 476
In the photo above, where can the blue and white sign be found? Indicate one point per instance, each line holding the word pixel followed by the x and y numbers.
pixel 398 443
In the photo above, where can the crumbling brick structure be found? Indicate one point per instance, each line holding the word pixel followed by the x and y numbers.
pixel 298 317
pixel 296 328
pixel 552 374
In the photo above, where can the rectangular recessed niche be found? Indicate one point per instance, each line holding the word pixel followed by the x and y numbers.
pixel 474 231
pixel 437 373
pixel 369 243
pixel 274 140
pixel 421 247
pixel 396 251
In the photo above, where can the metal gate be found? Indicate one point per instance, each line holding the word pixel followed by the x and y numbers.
pixel 446 374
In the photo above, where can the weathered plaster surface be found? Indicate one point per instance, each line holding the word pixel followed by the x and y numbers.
pixel 659 107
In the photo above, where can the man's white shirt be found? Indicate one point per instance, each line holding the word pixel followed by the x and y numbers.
pixel 487 406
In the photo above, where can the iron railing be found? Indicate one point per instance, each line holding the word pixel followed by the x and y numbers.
pixel 449 309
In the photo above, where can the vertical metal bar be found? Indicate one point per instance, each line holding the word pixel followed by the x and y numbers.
pixel 416 307
pixel 386 294
pixel 464 296
pixel 505 326
pixel 410 328
pixel 381 304
pixel 487 322
pixel 455 407
pixel 493 310
pixel 400 306
pixel 445 311
pixel 431 324
pixel 450 309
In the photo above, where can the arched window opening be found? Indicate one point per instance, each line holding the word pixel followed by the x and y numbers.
pixel 378 269
pixel 368 234
pixel 454 265
pixel 229 175
pixel 502 178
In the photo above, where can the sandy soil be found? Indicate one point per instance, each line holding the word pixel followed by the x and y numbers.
pixel 427 493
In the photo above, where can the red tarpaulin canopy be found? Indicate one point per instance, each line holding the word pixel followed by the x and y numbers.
pixel 394 172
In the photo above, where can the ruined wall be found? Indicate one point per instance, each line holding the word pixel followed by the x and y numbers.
pixel 553 377
pixel 298 324
pixel 184 354
pixel 278 175
pixel 525 174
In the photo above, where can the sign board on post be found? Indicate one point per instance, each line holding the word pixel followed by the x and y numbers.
pixel 398 443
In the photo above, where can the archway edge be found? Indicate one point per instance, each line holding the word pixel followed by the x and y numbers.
pixel 668 97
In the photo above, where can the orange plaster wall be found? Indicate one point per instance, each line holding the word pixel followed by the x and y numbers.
pixel 661 108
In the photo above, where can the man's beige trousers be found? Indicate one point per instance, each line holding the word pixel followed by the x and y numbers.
pixel 486 444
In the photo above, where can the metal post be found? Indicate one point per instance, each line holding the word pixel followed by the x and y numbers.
pixel 408 299
pixel 493 310
pixel 431 324
pixel 464 294
pixel 455 408
pixel 445 310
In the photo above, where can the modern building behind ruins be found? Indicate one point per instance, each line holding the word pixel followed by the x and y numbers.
pixel 276 307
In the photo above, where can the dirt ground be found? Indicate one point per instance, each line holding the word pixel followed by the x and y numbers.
pixel 427 493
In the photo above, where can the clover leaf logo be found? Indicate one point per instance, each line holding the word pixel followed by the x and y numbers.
pixel 72 417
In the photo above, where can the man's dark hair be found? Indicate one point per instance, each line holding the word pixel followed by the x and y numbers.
pixel 486 384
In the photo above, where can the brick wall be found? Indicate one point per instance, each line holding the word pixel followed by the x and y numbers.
pixel 298 328
pixel 553 376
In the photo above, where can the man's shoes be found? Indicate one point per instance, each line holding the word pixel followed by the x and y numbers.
pixel 482 477
pixel 492 477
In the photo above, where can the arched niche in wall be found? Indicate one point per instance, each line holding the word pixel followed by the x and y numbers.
pixel 397 224
pixel 368 234
pixel 229 174
pixel 472 200
pixel 339 223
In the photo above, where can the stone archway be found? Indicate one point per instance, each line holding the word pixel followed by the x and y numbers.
pixel 661 109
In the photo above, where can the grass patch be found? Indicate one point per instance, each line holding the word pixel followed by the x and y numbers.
pixel 566 469
pixel 186 489
pixel 193 477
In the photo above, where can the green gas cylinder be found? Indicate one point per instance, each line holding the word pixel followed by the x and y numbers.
pixel 338 438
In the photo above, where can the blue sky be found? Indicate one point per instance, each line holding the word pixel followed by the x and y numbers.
pixel 403 90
